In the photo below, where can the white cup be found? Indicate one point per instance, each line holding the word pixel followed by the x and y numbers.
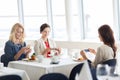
pixel 40 58
pixel 76 55
pixel 55 59
pixel 1 65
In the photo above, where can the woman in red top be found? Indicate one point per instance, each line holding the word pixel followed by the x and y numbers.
pixel 44 45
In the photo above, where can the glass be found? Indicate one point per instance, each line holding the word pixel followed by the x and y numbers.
pixel 40 58
pixel 54 56
pixel 102 72
pixel 111 70
pixel 112 75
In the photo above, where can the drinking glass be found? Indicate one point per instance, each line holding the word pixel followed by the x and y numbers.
pixel 102 72
pixel 112 75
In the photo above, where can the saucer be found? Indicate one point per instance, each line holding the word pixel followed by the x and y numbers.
pixel 55 62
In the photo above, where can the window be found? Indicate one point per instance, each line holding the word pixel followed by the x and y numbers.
pixel 97 13
pixel 8 17
pixel 35 14
pixel 75 28
pixel 59 21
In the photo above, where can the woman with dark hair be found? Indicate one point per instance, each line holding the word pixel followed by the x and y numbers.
pixel 107 50
pixel 44 45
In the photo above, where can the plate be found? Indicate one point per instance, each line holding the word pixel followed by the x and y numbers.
pixel 27 59
pixel 55 62
pixel 78 60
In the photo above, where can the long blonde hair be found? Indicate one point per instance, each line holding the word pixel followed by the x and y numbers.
pixel 14 30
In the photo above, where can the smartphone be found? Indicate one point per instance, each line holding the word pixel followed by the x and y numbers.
pixel 89 55
pixel 86 50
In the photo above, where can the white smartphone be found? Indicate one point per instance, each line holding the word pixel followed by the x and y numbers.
pixel 89 55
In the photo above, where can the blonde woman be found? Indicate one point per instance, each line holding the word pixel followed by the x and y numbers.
pixel 15 47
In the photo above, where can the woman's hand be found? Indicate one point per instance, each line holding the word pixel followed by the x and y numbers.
pixel 58 49
pixel 83 54
pixel 46 51
pixel 92 50
pixel 25 50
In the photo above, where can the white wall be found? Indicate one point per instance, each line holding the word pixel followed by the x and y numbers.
pixel 67 44
pixel 77 45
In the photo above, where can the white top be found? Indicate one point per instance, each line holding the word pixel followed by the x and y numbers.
pixel 40 46
pixel 104 53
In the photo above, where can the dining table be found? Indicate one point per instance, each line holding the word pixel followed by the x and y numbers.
pixel 11 71
pixel 36 69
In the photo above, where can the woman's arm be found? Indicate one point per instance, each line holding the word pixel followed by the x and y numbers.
pixel 54 46
pixel 92 51
pixel 9 51
pixel 46 51
pixel 23 50
pixel 36 47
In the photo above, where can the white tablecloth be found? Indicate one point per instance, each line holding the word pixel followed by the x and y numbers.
pixel 35 70
pixel 85 71
pixel 7 71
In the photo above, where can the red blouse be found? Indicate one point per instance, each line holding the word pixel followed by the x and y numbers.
pixel 47 46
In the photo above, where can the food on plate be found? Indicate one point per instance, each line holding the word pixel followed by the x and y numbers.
pixel 81 58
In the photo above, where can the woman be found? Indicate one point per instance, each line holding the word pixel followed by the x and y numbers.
pixel 15 47
pixel 107 50
pixel 44 45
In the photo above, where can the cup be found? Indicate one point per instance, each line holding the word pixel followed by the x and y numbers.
pixel 55 59
pixel 76 55
pixel 40 58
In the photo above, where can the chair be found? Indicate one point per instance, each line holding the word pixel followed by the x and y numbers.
pixel 4 60
pixel 75 70
pixel 92 70
pixel 53 76
pixel 110 62
pixel 10 77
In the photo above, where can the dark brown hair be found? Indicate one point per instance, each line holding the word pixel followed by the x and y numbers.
pixel 107 36
pixel 43 26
